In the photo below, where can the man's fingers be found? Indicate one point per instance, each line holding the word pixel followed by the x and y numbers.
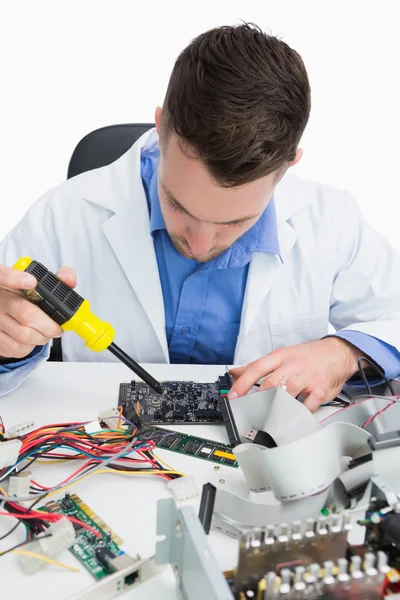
pixel 13 279
pixel 23 335
pixel 253 373
pixel 236 372
pixel 32 316
pixel 10 348
pixel 272 380
pixel 67 275
pixel 315 398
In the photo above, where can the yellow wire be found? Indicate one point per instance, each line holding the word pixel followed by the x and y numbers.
pixel 45 559
pixel 52 462
pixel 109 471
pixel 161 460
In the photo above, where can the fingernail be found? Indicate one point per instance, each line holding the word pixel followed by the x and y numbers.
pixel 232 396
pixel 58 336
pixel 29 281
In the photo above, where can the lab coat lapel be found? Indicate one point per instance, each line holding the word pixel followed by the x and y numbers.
pixel 128 234
pixel 119 189
pixel 263 271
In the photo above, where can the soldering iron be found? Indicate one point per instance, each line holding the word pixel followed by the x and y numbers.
pixel 72 313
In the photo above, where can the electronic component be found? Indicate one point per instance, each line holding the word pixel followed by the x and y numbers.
pixel 260 437
pixel 19 430
pixel 298 543
pixel 127 573
pixel 110 417
pixel 183 443
pixel 19 485
pixel 183 488
pixel 310 559
pixel 104 555
pixel 9 452
pixel 328 580
pixel 62 535
pixel 207 506
pixel 229 421
pixel 182 402
pixel 91 551
pixel 67 502
pixel 381 441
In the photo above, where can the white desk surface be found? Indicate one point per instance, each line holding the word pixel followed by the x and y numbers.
pixel 61 392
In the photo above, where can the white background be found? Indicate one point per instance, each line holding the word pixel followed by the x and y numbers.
pixel 68 67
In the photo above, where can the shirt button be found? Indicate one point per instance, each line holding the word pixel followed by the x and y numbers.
pixel 185 330
pixel 199 273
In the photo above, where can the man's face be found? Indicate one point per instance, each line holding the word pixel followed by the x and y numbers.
pixel 202 218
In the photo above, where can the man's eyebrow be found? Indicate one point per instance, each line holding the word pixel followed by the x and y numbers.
pixel 183 209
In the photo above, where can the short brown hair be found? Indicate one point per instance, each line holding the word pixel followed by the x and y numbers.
pixel 240 100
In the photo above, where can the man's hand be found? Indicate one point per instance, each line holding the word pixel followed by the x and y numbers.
pixel 22 324
pixel 316 370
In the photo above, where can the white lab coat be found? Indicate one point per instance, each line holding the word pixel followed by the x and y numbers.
pixel 335 268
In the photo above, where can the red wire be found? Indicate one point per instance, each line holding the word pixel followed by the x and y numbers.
pixel 377 414
pixel 87 464
pixel 51 517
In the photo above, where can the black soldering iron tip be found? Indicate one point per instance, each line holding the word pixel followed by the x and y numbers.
pixel 136 368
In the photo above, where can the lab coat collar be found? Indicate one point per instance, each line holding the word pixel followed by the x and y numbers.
pixel 119 189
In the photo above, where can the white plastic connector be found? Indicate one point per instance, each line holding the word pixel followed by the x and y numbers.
pixel 19 485
pixel 110 417
pixel 183 488
pixel 19 430
pixel 9 452
pixel 62 537
pixel 92 427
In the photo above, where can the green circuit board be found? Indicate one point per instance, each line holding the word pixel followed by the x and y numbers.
pixel 94 553
pixel 183 443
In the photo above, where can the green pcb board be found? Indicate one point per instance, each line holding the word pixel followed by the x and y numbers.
pixel 189 445
pixel 94 553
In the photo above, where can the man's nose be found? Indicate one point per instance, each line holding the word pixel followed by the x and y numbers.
pixel 200 239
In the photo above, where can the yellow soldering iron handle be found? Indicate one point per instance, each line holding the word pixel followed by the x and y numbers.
pixel 65 306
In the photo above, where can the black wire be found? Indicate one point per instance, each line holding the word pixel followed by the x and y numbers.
pixel 25 543
pixel 377 370
pixel 34 525
pixel 3 537
pixel 362 373
pixel 346 394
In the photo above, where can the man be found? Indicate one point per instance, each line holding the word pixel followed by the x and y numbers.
pixel 198 246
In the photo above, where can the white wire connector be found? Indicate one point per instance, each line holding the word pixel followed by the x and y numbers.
pixel 18 430
pixel 9 452
pixel 282 384
pixel 92 427
pixel 183 488
pixel 19 485
pixel 62 537
pixel 110 417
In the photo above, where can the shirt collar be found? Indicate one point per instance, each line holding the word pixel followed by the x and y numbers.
pixel 156 218
pixel 261 237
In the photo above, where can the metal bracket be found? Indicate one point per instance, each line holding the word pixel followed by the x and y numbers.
pixel 186 548
pixel 130 576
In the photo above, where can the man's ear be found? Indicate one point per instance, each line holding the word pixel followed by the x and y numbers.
pixel 157 118
pixel 299 154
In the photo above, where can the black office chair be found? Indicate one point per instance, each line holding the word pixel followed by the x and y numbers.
pixel 103 146
pixel 98 149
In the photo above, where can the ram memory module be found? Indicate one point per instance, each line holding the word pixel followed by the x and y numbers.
pixel 183 443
